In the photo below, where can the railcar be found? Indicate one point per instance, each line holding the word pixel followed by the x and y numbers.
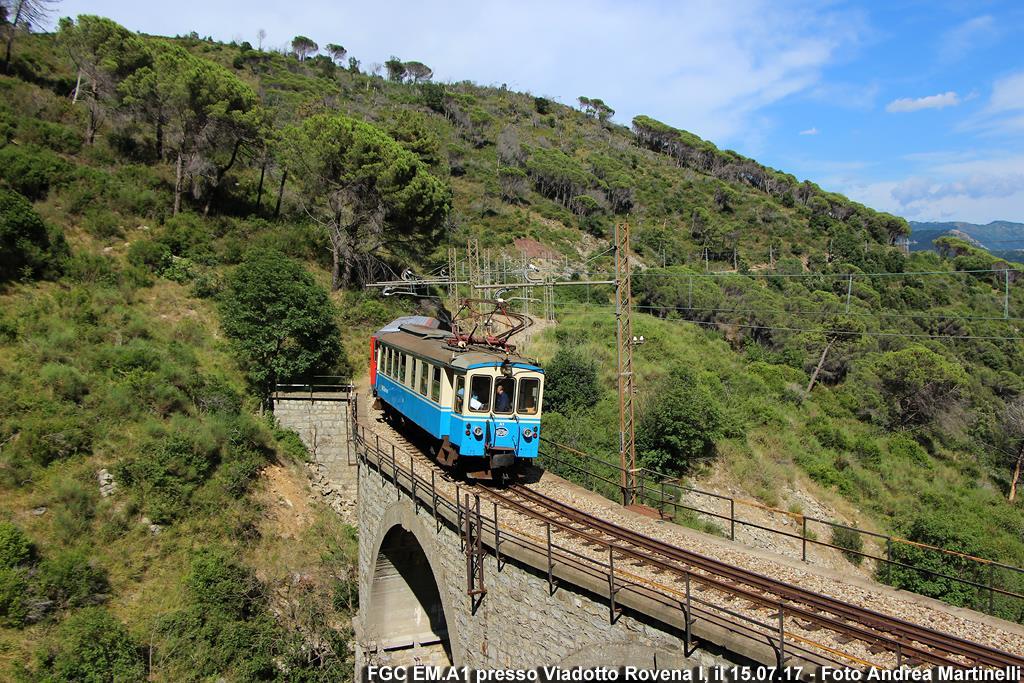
pixel 480 405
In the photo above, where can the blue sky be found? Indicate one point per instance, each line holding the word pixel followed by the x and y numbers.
pixel 914 107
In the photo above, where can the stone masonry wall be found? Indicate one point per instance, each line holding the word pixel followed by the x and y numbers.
pixel 518 623
pixel 323 427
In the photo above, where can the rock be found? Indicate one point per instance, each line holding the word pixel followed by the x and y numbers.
pixel 106 481
pixel 41 510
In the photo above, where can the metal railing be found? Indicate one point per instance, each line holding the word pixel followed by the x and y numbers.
pixel 483 534
pixel 994 587
pixel 321 387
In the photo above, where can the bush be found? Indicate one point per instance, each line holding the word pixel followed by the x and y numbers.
pixel 65 381
pixel 15 548
pixel 47 439
pixel 154 256
pixel 28 248
pixel 280 321
pixel 31 170
pixel 219 583
pixel 167 472
pixel 13 589
pixel 48 134
pixel 680 423
pixel 103 223
pixel 570 382
pixel 850 541
pixel 70 579
pixel 94 646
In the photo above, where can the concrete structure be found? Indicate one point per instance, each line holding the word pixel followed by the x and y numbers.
pixel 414 606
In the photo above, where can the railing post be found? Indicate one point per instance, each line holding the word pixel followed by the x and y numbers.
pixel 991 586
pixel 412 480
pixel 661 506
pixel 732 519
pixel 803 539
pixel 782 636
pixel 458 513
pixel 497 537
pixel 433 499
pixel 611 584
pixel 394 470
pixel 551 567
pixel 687 615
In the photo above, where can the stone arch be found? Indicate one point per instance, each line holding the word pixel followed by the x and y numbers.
pixel 407 601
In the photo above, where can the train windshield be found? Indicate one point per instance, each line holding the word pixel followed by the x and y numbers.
pixel 504 395
pixel 529 395
pixel 480 394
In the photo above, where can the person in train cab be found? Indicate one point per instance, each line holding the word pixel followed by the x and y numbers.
pixel 474 402
pixel 502 401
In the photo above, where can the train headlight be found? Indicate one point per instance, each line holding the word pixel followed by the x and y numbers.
pixel 478 432
pixel 528 433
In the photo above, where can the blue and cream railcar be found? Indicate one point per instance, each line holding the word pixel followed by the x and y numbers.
pixel 482 406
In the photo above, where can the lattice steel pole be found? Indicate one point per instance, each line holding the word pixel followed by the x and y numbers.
pixel 624 357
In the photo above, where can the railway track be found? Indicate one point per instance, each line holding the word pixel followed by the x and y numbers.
pixel 916 644
pixel 913 644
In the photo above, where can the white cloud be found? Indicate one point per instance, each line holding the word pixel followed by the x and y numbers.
pixel 940 101
pixel 1008 93
pixel 810 131
pixel 951 187
pixel 957 42
pixel 704 65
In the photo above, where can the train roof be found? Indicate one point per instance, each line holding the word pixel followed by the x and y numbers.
pixel 431 344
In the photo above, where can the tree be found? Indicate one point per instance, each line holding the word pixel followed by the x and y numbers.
pixel 916 384
pixel 418 71
pixel 28 248
pixel 104 53
pixel 570 382
pixel 396 69
pixel 680 423
pixel 205 109
pixel 21 17
pixel 1013 426
pixel 261 35
pixel 839 329
pixel 281 323
pixel 303 47
pixel 364 189
pixel 337 53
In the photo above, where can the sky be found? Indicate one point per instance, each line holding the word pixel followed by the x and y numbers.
pixel 913 107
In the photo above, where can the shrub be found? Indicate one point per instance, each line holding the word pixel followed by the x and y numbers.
pixel 48 134
pixel 868 450
pixel 15 548
pixel 70 579
pixel 280 321
pixel 102 223
pixel 570 382
pixel 31 170
pixel 904 447
pixel 167 472
pixel 155 256
pixel 94 646
pixel 28 248
pixel 680 423
pixel 13 589
pixel 49 438
pixel 93 269
pixel 220 583
pixel 851 543
pixel 64 381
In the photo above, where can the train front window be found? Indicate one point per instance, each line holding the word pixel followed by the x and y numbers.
pixel 480 394
pixel 529 395
pixel 460 392
pixel 504 395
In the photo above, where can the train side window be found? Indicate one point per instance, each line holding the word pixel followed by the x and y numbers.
pixel 387 361
pixel 401 367
pixel 424 369
pixel 460 392
pixel 480 394
pixel 435 385
pixel 504 395
pixel 529 392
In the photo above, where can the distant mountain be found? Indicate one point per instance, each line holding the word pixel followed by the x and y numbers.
pixel 1002 238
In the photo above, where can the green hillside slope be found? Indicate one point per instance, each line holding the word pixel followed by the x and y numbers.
pixel 189 188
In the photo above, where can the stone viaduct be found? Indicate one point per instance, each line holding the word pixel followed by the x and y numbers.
pixel 438 584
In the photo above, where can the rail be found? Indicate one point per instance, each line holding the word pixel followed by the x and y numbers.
pixel 463 514
pixel 992 584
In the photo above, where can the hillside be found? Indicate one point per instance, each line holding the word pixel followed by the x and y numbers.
pixel 1001 238
pixel 191 199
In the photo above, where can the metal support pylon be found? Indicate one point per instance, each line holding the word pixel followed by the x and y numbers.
pixel 453 276
pixel 627 378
